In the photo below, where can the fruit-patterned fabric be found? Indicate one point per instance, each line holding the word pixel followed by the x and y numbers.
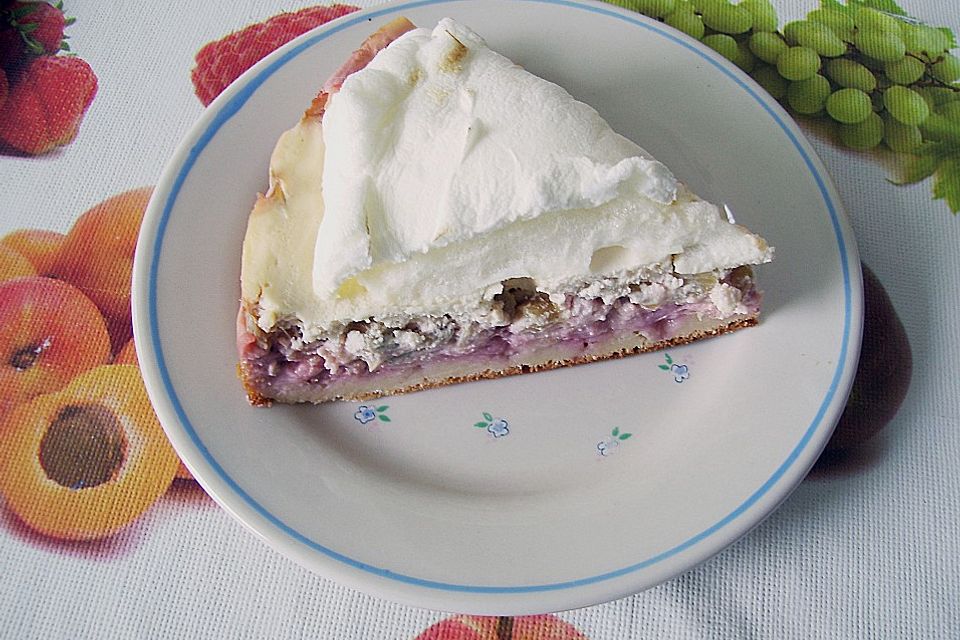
pixel 104 533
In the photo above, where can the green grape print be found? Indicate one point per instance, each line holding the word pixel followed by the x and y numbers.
pixel 883 77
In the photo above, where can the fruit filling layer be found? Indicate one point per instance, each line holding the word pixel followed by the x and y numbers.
pixel 517 321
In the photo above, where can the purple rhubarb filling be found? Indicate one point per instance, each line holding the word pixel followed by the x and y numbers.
pixel 287 367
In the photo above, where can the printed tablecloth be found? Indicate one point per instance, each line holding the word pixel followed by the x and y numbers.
pixel 867 547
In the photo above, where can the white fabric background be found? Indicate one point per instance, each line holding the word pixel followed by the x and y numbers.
pixel 870 552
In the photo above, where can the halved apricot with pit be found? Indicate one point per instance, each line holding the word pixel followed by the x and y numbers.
pixel 86 461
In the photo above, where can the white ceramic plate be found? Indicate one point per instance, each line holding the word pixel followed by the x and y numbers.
pixel 533 493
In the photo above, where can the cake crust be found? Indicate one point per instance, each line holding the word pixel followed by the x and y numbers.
pixel 255 398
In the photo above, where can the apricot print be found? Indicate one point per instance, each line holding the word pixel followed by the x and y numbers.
pixel 39 246
pixel 127 355
pixel 97 257
pixel 84 462
pixel 14 264
pixel 80 458
pixel 49 332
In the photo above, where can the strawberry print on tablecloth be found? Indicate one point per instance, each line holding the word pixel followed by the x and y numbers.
pixel 45 90
pixel 221 62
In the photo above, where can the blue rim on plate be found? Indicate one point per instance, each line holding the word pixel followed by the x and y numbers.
pixel 249 84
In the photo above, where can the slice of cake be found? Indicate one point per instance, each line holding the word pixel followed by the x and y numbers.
pixel 441 215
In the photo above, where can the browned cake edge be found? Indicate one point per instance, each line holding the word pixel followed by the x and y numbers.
pixel 253 395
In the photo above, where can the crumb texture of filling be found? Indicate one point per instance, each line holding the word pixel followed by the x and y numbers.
pixel 516 319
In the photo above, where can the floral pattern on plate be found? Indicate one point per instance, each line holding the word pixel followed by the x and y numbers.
pixel 497 428
pixel 366 413
pixel 680 371
pixel 608 445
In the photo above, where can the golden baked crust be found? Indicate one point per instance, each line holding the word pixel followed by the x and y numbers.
pixel 253 395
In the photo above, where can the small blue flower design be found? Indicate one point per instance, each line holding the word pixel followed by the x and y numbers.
pixel 367 414
pixel 497 428
pixel 680 371
pixel 607 446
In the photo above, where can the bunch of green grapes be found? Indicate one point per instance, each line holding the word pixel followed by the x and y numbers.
pixel 878 76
